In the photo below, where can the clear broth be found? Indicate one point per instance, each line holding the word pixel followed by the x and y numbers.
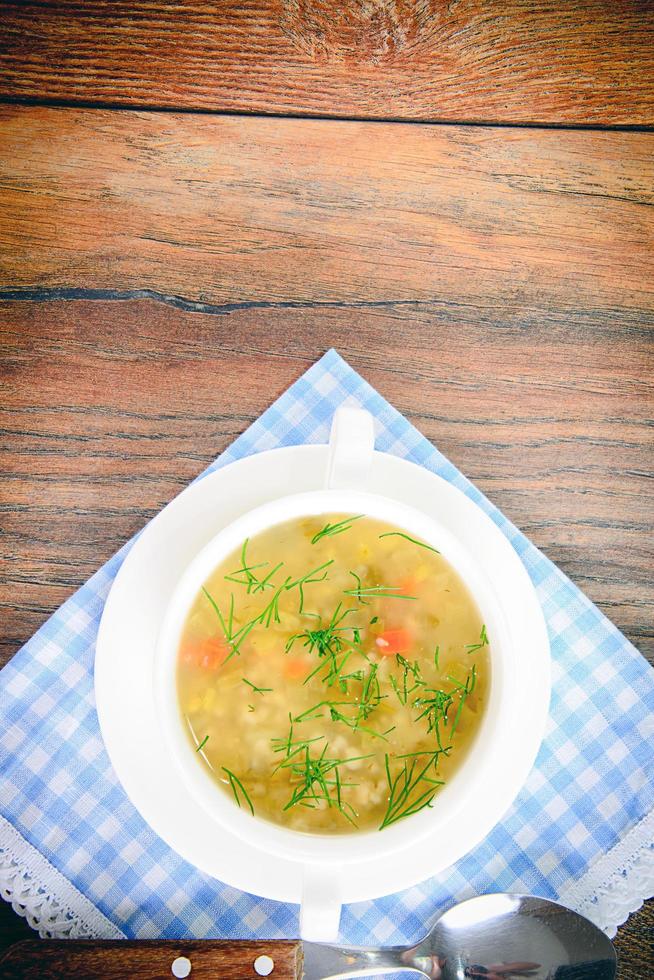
pixel 332 681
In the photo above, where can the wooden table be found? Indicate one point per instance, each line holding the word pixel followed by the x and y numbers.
pixel 166 274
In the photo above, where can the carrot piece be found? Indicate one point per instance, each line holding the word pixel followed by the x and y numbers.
pixel 408 586
pixel 214 653
pixel 394 641
pixel 294 667
pixel 209 653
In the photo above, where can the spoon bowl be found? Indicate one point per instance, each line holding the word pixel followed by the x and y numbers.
pixel 491 937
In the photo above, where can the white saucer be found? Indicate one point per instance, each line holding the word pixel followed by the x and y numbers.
pixel 135 608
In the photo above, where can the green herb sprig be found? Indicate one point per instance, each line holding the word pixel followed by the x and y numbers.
pixel 237 788
pixel 375 592
pixel 329 644
pixel 291 746
pixel 464 691
pixel 371 695
pixel 410 790
pixel 234 638
pixel 483 642
pixel 309 579
pixel 245 574
pixel 409 670
pixel 330 530
pixel 257 690
pixel 318 778
pixel 407 537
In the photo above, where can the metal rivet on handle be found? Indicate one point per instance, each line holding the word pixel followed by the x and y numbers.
pixel 181 967
pixel 264 965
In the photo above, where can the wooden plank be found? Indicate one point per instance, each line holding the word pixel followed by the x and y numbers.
pixel 110 408
pixel 580 62
pixel 241 210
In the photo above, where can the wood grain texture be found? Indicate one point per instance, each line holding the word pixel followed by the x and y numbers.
pixel 577 62
pixel 222 212
pixel 147 960
pixel 166 276
pixel 110 408
pixel 497 285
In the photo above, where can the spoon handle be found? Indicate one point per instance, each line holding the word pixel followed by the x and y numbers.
pixel 327 962
pixel 121 959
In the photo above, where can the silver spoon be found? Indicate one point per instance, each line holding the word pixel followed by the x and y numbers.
pixel 492 937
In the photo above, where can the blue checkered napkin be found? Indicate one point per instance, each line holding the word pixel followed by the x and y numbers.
pixel 588 795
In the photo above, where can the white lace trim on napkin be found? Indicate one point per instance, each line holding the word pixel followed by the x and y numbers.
pixel 614 887
pixel 617 883
pixel 40 893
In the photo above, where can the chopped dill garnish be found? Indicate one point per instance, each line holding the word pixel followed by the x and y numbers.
pixel 374 620
pixel 400 534
pixel 463 692
pixel 317 778
pixel 369 698
pixel 457 716
pixel 333 670
pixel 310 713
pixel 237 786
pixel 376 591
pixel 473 679
pixel 217 611
pixel 285 743
pixel 371 694
pixel 353 723
pixel 271 612
pixel 329 530
pixel 344 679
pixel 434 705
pixel 437 653
pixel 410 791
pixel 290 746
pixel 202 743
pixel 483 642
pixel 308 579
pixel 402 690
pixel 233 638
pixel 257 690
pixel 249 580
pixel 250 707
pixel 328 643
pixel 230 615
pixel 265 583
pixel 357 591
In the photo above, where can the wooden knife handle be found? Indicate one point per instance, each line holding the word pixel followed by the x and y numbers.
pixel 145 960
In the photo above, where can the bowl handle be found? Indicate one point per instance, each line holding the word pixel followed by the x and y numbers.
pixel 351 445
pixel 320 910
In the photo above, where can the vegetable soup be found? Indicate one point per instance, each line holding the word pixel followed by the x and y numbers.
pixel 333 673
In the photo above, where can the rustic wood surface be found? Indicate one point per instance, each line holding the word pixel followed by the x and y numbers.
pixel 147 960
pixel 517 61
pixel 164 276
